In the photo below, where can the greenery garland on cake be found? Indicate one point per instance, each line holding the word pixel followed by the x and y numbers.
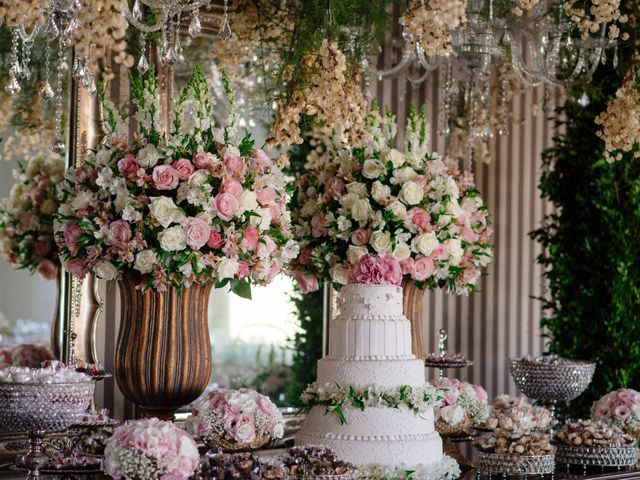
pixel 335 397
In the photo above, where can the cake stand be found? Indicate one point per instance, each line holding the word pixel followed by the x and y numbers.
pixel 39 408
pixel 550 383
pixel 440 360
pixel 521 466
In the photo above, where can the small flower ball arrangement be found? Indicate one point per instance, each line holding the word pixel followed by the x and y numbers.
pixel 26 217
pixel 197 204
pixel 376 199
pixel 235 420
pixel 620 408
pixel 151 449
pixel 463 405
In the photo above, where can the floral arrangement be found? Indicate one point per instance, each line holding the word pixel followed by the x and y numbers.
pixel 26 217
pixel 376 270
pixel 197 204
pixel 620 408
pixel 25 355
pixel 461 401
pixel 334 398
pixel 239 416
pixel 377 199
pixel 515 416
pixel 445 469
pixel 151 449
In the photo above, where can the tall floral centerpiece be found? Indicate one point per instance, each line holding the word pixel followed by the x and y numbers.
pixel 169 216
pixel 378 199
pixel 26 221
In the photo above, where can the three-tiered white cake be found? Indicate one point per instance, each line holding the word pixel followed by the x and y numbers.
pixel 370 351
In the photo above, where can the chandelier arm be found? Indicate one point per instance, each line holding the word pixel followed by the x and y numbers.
pixel 28 37
pixel 408 56
pixel 141 26
pixel 423 60
pixel 527 75
pixel 420 79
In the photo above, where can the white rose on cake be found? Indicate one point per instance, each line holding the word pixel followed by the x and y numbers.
pixel 339 274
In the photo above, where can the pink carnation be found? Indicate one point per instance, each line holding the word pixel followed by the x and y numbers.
pixel 376 270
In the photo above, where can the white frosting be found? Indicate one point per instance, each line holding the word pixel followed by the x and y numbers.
pixel 386 373
pixel 370 324
pixel 370 344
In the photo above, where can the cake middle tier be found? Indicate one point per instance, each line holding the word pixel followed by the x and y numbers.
pixel 370 336
pixel 363 373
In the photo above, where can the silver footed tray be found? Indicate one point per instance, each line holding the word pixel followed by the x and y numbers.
pixel 494 463
pixel 597 456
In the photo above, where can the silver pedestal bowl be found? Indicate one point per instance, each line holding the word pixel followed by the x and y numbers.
pixel 39 408
pixel 551 379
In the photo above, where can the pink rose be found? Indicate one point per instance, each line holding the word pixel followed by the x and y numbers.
pixel 233 187
pixel 226 206
pixel 419 217
pixel 451 397
pixel 260 161
pixel 128 165
pixel 305 257
pixel 119 233
pixel 360 237
pixel 622 412
pixel 243 270
pixel 165 177
pixel 184 168
pixel 204 160
pixel 77 268
pixel 197 231
pixel 376 270
pixel 481 394
pixel 250 239
pixel 266 196
pixel 42 248
pixel 407 266
pixel 423 268
pixel 215 240
pixel 72 234
pixel 245 430
pixel 234 164
pixel 335 187
pixel 47 269
pixel 307 283
pixel 319 225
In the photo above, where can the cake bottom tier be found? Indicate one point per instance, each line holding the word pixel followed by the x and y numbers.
pixel 392 437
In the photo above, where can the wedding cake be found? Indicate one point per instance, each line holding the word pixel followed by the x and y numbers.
pixel 371 403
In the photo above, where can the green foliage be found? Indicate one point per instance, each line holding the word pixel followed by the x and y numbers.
pixel 590 247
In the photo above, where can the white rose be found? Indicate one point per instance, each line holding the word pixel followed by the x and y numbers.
pixel 425 243
pixel 354 254
pixel 361 210
pixel 380 192
pixel 401 252
pixel 452 414
pixel 455 251
pixel 381 241
pixel 403 175
pixel 398 210
pixel 198 178
pixel 65 209
pixel 146 260
pixel 248 201
pixel 148 156
pixel 358 189
pixel 372 169
pixel 165 211
pixel 452 188
pixel 394 156
pixel 412 193
pixel 227 268
pixel 173 239
pixel 339 274
pixel 348 200
pixel 105 271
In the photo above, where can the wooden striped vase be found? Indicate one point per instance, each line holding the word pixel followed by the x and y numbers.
pixel 163 353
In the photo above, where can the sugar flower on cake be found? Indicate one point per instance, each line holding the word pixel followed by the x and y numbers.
pixel 151 449
pixel 200 203
pixel 26 217
pixel 461 402
pixel 242 417
pixel 377 199
pixel 620 408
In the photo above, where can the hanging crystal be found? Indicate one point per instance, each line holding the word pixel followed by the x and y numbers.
pixel 46 92
pixel 137 11
pixel 58 145
pixel 92 91
pixel 143 64
pixel 225 27
pixel 13 86
pixel 78 69
pixel 195 28
pixel 584 100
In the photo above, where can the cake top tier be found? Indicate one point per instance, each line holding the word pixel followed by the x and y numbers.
pixel 374 300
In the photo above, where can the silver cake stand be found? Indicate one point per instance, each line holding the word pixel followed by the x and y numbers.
pixel 490 464
pixel 39 409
